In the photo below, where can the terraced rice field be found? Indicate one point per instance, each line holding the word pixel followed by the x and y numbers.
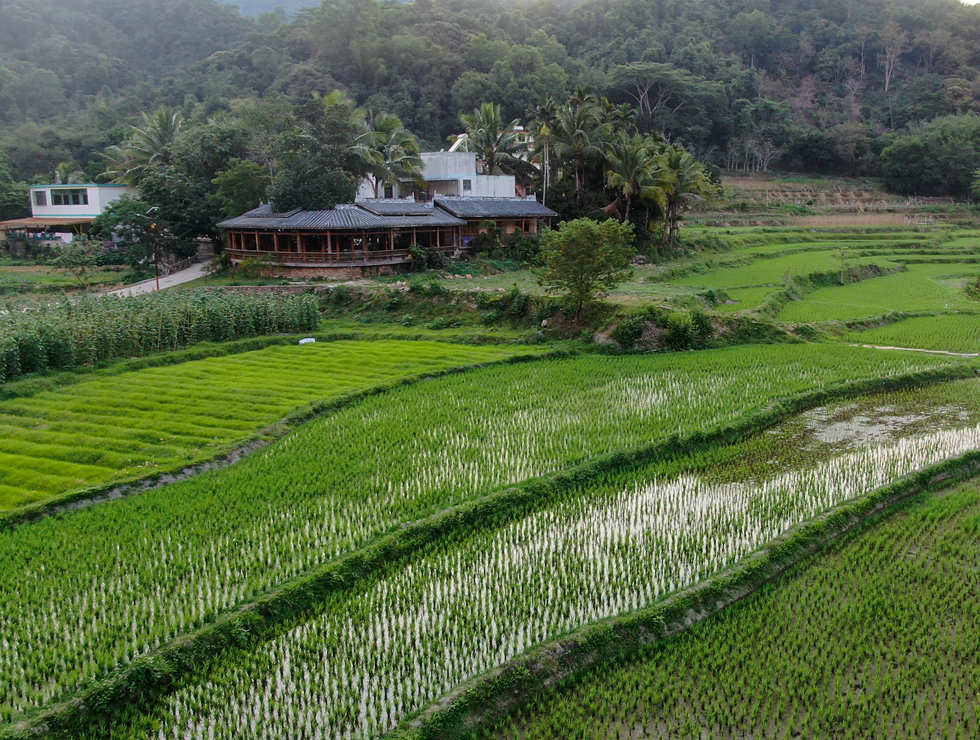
pixel 745 299
pixel 932 288
pixel 952 332
pixel 404 638
pixel 875 637
pixel 113 427
pixel 774 270
pixel 179 555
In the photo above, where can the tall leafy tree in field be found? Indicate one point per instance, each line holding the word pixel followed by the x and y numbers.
pixel 585 259
pixel 936 158
pixel 240 187
pixel 316 161
pixel 13 195
pixel 495 141
pixel 389 151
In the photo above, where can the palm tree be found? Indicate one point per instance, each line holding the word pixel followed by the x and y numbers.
pixel 149 145
pixel 389 151
pixel 578 136
pixel 68 173
pixel 631 168
pixel 679 181
pixel 495 142
pixel 543 127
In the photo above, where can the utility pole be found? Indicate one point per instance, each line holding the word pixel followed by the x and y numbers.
pixel 156 242
pixel 156 253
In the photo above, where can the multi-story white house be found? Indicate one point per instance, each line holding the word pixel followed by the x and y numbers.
pixel 445 173
pixel 61 211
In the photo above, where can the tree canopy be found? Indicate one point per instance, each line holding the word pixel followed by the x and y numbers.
pixel 746 84
pixel 584 259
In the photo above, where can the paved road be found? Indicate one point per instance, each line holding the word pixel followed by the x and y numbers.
pixel 148 286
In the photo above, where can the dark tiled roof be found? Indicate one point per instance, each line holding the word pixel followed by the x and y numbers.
pixel 464 207
pixel 343 217
pixel 395 206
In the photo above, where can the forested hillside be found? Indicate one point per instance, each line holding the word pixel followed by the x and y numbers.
pixel 745 84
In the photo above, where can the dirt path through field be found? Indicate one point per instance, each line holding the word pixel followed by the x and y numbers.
pixel 919 349
pixel 149 286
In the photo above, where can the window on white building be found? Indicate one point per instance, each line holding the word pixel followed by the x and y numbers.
pixel 40 197
pixel 69 197
pixel 467 186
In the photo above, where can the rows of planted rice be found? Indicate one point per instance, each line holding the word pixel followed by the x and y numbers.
pixel 923 288
pixel 386 650
pixel 774 270
pixel 111 427
pixel 73 608
pixel 875 638
pixel 949 332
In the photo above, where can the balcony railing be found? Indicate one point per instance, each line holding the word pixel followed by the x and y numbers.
pixel 371 257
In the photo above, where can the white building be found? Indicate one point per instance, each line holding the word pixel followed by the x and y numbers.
pixel 58 212
pixel 85 200
pixel 446 173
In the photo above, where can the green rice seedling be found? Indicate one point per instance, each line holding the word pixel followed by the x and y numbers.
pixel 74 607
pixel 877 636
pixel 388 649
pixel 923 288
pixel 949 332
pixel 108 428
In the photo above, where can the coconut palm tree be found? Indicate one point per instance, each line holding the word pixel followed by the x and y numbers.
pixel 389 151
pixel 543 127
pixel 679 181
pixel 631 166
pixel 495 142
pixel 149 145
pixel 578 137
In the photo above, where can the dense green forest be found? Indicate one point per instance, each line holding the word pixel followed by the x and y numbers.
pixel 817 85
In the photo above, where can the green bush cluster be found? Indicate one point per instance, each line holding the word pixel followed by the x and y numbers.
pixel 679 329
pixel 512 305
pixel 95 330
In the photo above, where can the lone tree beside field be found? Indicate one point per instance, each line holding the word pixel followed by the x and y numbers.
pixel 585 259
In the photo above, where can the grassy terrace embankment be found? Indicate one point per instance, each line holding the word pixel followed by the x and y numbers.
pixel 933 288
pixel 184 554
pixel 592 549
pixel 874 636
pixel 120 426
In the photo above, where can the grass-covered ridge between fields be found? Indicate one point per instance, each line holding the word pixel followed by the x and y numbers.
pixel 595 550
pixel 134 424
pixel 184 554
pixel 875 636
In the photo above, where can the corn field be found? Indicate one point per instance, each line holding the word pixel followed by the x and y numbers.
pixel 95 330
